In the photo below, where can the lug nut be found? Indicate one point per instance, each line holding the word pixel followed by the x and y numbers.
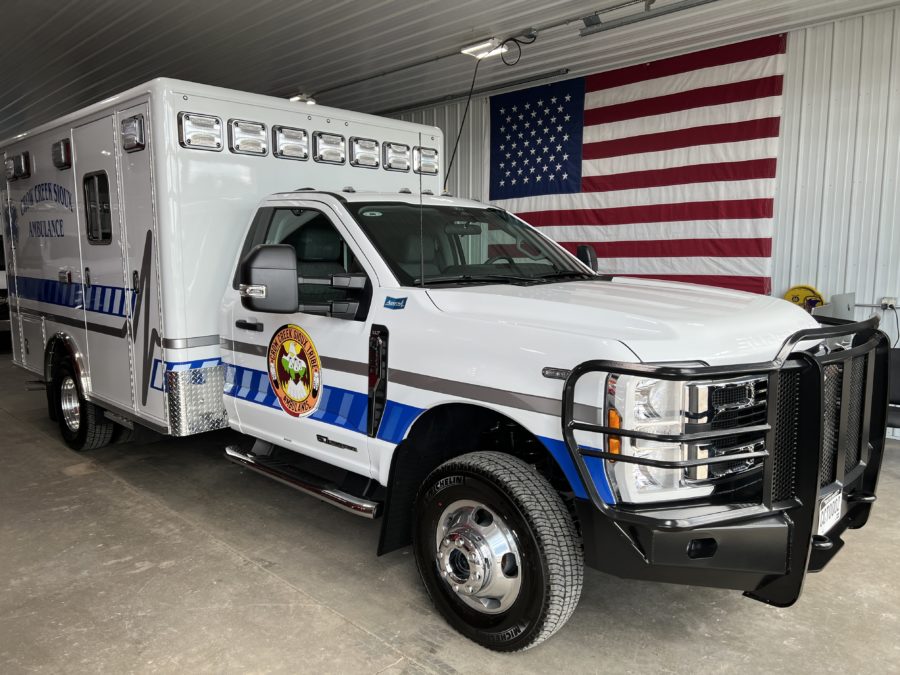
pixel 446 542
pixel 444 574
pixel 469 588
pixel 456 588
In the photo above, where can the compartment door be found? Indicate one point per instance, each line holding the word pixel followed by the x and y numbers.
pixel 141 255
pixel 107 296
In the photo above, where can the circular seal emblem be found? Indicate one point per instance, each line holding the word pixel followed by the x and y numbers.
pixel 295 370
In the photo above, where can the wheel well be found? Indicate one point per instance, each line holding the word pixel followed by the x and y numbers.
pixel 60 349
pixel 445 432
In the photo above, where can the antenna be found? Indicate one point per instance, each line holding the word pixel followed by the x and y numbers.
pixel 421 230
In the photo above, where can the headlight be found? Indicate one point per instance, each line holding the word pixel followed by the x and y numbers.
pixel 667 408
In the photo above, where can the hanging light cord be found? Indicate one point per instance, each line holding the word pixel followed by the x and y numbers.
pixel 462 123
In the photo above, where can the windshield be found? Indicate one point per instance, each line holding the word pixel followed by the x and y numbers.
pixel 433 245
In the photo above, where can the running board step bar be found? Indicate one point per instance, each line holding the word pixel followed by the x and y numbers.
pixel 302 481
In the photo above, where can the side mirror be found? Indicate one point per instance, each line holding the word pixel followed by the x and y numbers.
pixel 587 255
pixel 269 279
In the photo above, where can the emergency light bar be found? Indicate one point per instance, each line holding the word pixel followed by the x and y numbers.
pixel 328 148
pixel 425 160
pixel 200 132
pixel 396 156
pixel 247 138
pixel 290 143
pixel 364 152
pixel 133 133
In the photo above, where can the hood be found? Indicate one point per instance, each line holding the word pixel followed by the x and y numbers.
pixel 659 321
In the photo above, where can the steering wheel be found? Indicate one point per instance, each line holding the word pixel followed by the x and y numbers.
pixel 502 256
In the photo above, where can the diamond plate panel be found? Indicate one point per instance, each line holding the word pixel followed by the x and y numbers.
pixel 195 400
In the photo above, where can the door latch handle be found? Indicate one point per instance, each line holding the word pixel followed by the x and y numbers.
pixel 87 277
pixel 249 325
pixel 135 282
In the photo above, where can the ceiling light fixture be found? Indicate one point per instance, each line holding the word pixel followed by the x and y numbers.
pixel 482 50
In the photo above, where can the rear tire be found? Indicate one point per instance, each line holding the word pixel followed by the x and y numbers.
pixel 497 550
pixel 81 423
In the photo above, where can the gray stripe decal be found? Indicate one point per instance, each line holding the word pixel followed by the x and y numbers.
pixel 187 343
pixel 345 366
pixel 476 392
pixel 243 347
pixel 329 362
pixel 78 323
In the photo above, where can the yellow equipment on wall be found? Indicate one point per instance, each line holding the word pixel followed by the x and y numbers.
pixel 806 297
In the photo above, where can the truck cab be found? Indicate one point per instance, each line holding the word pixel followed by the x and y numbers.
pixel 507 410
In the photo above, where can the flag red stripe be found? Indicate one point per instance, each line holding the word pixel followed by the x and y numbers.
pixel 684 138
pixel 750 284
pixel 718 56
pixel 654 213
pixel 681 175
pixel 719 94
pixel 679 248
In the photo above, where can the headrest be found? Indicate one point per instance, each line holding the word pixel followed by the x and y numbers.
pixel 318 242
pixel 412 250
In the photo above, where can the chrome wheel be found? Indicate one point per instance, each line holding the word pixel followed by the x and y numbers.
pixel 69 403
pixel 477 556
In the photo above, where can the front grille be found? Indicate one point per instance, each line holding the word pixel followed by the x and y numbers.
pixel 784 452
pixel 733 405
pixel 855 413
pixel 831 421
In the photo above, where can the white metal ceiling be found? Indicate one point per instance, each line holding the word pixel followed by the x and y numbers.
pixel 59 56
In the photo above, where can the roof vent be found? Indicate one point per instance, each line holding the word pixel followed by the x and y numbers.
pixel 405 191
pixel 427 192
pixel 305 189
pixel 445 193
pixel 349 188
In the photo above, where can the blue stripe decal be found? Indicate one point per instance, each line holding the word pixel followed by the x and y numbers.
pixel 348 409
pixel 397 419
pixel 560 453
pixel 339 407
pixel 100 299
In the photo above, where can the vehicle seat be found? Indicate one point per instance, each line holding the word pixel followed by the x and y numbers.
pixel 319 254
pixel 409 261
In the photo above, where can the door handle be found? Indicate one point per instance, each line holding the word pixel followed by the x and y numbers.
pixel 135 282
pixel 87 277
pixel 249 325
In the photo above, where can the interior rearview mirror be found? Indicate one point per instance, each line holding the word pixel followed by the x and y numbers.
pixel 588 255
pixel 269 279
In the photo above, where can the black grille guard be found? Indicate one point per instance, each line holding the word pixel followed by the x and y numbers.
pixel 806 552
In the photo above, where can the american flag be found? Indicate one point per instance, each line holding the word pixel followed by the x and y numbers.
pixel 666 168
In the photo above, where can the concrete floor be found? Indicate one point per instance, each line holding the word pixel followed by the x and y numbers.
pixel 166 558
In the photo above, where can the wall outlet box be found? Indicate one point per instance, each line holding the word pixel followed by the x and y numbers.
pixel 888 303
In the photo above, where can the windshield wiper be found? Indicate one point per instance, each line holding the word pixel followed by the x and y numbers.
pixel 476 279
pixel 572 274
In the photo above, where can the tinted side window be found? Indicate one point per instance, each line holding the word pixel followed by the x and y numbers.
pixel 97 209
pixel 321 253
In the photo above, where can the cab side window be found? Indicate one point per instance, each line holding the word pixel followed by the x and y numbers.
pixel 321 254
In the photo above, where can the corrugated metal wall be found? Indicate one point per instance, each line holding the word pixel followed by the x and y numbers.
pixel 837 207
pixel 837 210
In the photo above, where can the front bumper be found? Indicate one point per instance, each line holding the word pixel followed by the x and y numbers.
pixel 825 433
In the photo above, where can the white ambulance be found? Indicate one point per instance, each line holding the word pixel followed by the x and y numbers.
pixel 185 258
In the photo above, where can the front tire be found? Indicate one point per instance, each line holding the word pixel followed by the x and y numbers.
pixel 81 423
pixel 497 550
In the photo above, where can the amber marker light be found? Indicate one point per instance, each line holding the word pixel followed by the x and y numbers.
pixel 614 420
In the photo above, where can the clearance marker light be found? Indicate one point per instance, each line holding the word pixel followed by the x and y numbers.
pixel 200 132
pixel 290 143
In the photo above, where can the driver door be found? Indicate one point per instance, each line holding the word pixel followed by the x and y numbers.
pixel 300 380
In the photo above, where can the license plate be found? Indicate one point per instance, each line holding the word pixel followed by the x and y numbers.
pixel 829 511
